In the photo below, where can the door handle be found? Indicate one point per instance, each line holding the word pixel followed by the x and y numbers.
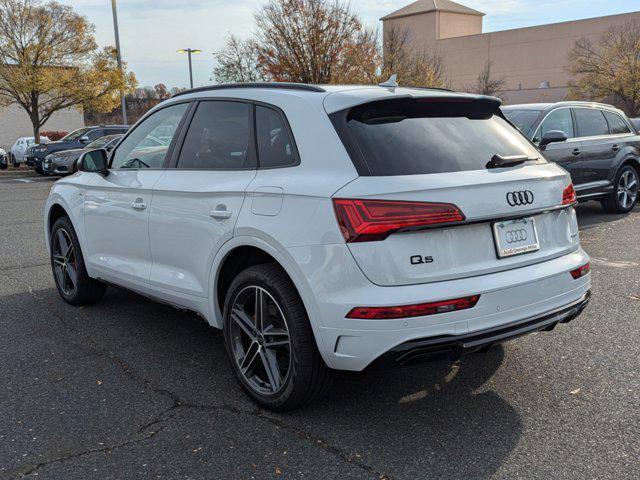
pixel 615 148
pixel 220 214
pixel 138 205
pixel 576 151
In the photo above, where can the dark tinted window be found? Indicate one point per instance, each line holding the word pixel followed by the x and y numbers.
pixel 275 145
pixel 218 137
pixel 95 134
pixel 591 122
pixel 135 151
pixel 616 124
pixel 410 137
pixel 523 119
pixel 559 119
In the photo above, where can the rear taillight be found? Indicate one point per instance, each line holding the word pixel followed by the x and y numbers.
pixel 419 310
pixel 581 272
pixel 370 220
pixel 569 195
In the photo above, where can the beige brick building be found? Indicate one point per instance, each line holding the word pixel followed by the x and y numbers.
pixel 533 60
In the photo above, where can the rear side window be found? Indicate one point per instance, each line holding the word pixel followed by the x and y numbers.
pixel 218 137
pixel 591 122
pixel 559 119
pixel 422 136
pixel 275 145
pixel 523 119
pixel 617 126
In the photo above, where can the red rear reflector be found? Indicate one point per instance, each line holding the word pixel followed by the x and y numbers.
pixel 419 310
pixel 370 220
pixel 569 195
pixel 581 272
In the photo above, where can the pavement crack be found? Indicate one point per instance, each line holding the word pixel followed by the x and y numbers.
pixel 28 285
pixel 104 449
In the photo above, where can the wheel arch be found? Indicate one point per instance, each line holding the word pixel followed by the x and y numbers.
pixel 262 251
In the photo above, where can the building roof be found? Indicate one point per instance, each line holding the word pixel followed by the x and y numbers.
pixel 425 6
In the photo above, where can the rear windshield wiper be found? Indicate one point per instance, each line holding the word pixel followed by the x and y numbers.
pixel 498 161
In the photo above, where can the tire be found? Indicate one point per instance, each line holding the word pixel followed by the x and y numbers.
pixel 303 375
pixel 625 193
pixel 77 288
pixel 39 170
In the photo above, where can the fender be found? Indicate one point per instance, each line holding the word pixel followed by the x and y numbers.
pixel 626 154
pixel 72 201
pixel 279 253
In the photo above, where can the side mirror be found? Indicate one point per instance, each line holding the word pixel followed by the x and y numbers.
pixel 95 161
pixel 552 136
pixel 85 139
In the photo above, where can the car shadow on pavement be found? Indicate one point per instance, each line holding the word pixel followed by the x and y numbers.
pixel 436 420
pixel 591 214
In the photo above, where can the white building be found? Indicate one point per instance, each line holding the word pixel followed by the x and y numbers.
pixel 14 123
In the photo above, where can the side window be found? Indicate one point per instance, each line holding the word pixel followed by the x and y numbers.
pixel 275 145
pixel 134 152
pixel 95 134
pixel 559 119
pixel 218 137
pixel 617 126
pixel 591 122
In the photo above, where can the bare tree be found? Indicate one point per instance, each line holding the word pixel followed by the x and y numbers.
pixel 305 40
pixel 415 67
pixel 238 62
pixel 610 69
pixel 486 83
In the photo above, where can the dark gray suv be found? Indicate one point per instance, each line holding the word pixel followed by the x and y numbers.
pixel 596 143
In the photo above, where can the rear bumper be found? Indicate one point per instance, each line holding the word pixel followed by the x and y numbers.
pixel 507 298
pixel 453 346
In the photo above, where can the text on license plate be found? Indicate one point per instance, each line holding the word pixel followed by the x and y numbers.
pixel 514 237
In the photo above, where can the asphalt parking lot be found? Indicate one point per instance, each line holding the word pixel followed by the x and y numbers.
pixel 129 388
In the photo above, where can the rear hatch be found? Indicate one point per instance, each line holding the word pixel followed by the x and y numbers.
pixel 447 189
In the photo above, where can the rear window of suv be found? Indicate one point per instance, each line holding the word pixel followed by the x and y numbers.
pixel 422 136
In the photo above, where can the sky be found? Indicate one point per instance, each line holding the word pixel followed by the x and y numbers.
pixel 152 30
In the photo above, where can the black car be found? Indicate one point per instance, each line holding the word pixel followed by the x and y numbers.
pixel 596 143
pixel 64 162
pixel 77 139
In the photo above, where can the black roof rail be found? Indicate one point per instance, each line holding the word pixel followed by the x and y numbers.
pixel 274 85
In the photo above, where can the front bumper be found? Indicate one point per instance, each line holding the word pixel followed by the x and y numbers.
pixel 453 346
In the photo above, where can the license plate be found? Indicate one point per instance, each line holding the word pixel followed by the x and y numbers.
pixel 515 237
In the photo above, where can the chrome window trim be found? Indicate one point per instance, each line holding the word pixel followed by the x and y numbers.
pixel 575 125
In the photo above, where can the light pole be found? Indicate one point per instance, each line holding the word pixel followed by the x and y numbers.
pixel 123 103
pixel 189 51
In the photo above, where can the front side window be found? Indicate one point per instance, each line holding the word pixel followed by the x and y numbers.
pixel 135 152
pixel 275 145
pixel 559 119
pixel 218 138
pixel 591 122
pixel 617 126
pixel 413 137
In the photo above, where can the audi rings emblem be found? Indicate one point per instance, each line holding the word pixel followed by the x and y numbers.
pixel 522 197
pixel 513 236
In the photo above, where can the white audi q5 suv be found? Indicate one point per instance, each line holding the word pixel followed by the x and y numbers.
pixel 326 228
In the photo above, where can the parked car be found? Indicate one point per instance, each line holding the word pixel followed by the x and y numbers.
pixel 64 162
pixel 326 228
pixel 19 149
pixel 77 139
pixel 596 143
pixel 3 159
